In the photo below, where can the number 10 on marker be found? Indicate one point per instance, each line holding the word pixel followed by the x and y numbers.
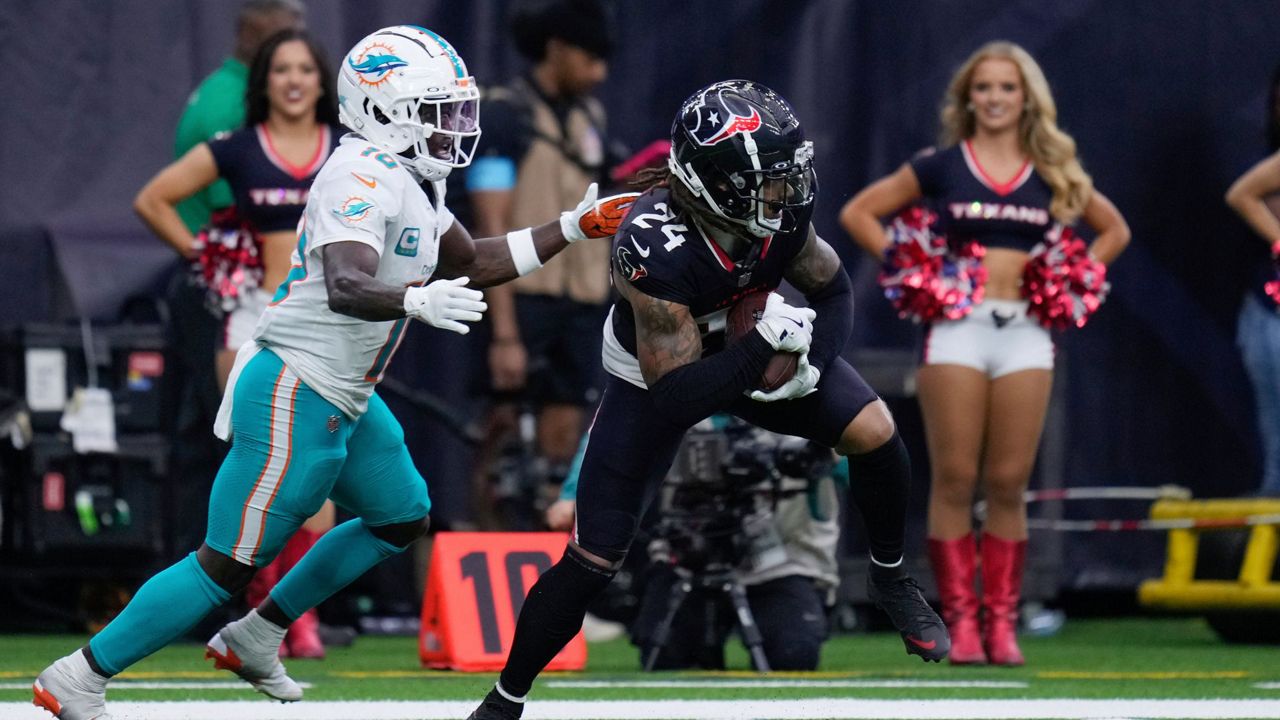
pixel 476 586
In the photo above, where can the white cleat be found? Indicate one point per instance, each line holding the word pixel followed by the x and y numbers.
pixel 71 691
pixel 255 663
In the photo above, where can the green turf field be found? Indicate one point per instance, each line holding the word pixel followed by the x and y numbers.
pixel 1089 659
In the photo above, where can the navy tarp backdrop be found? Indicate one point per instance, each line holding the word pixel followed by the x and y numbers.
pixel 1165 99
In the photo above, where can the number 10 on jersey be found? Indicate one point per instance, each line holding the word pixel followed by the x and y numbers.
pixel 476 586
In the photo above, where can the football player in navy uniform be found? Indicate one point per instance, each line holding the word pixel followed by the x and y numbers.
pixel 728 216
pixel 1006 173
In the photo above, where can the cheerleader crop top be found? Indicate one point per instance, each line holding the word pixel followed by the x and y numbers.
pixel 972 206
pixel 269 191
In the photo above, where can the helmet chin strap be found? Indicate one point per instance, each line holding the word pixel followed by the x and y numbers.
pixel 423 167
pixel 426 170
pixel 753 228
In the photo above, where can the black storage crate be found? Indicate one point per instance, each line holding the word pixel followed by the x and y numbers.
pixel 132 362
pixel 95 507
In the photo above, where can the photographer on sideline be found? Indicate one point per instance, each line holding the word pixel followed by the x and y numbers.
pixel 780 540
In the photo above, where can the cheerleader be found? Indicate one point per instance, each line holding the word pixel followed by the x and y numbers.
pixel 1002 177
pixel 1256 197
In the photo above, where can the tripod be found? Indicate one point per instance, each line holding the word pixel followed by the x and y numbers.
pixel 716 579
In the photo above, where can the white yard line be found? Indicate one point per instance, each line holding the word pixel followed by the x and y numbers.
pixel 800 708
pixel 784 683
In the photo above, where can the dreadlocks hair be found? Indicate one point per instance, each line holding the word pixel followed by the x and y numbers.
pixel 683 200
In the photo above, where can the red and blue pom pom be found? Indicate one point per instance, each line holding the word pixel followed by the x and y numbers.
pixel 1272 286
pixel 926 277
pixel 1063 282
pixel 229 263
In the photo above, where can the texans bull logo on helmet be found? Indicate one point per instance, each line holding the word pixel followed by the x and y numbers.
pixel 719 121
pixel 738 147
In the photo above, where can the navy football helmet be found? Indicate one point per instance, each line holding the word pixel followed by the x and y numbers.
pixel 738 146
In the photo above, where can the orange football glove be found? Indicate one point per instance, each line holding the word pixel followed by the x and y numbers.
pixel 596 218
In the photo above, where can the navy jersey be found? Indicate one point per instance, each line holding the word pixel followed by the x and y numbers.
pixel 270 193
pixel 972 206
pixel 665 255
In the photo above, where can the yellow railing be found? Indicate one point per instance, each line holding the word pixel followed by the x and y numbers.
pixel 1253 588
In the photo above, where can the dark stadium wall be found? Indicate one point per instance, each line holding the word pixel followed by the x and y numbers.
pixel 1165 99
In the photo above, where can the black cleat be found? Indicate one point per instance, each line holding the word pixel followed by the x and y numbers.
pixel 898 595
pixel 496 707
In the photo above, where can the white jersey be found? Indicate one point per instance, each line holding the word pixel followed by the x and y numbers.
pixel 362 194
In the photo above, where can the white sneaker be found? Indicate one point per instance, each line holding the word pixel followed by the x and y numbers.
pixel 597 630
pixel 256 662
pixel 71 690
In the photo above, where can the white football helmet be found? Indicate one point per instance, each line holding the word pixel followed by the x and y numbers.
pixel 406 89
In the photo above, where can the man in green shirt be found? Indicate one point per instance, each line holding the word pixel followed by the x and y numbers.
pixel 217 105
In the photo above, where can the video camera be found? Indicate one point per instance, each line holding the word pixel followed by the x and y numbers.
pixel 718 500
pixel 719 525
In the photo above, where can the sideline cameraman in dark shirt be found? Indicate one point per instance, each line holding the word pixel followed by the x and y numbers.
pixel 782 540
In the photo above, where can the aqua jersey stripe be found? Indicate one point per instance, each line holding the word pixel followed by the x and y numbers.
pixel 296 273
pixel 448 49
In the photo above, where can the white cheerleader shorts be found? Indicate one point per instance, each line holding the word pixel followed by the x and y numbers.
pixel 996 339
pixel 238 325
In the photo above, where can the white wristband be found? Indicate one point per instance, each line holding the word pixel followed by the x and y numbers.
pixel 523 253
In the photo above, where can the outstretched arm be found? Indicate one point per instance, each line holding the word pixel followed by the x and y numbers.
pixel 491 261
pixel 488 261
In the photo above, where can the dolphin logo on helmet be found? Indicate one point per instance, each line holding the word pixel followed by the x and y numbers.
pixel 375 63
pixel 405 89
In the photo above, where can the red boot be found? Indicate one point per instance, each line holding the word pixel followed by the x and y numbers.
pixel 303 637
pixel 1001 585
pixel 261 584
pixel 953 568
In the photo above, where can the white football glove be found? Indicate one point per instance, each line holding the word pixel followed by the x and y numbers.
pixel 569 225
pixel 802 383
pixel 445 304
pixel 787 328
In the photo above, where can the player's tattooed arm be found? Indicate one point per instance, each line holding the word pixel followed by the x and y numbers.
pixel 487 261
pixel 685 386
pixel 814 266
pixel 666 334
pixel 349 269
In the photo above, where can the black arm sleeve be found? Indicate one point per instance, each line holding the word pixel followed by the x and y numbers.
pixel 831 328
pixel 700 389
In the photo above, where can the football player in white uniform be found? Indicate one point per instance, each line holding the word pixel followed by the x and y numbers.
pixel 300 407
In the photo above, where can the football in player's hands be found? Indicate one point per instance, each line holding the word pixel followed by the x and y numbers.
pixel 741 320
